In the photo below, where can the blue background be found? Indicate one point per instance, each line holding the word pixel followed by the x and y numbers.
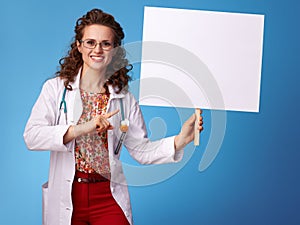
pixel 253 180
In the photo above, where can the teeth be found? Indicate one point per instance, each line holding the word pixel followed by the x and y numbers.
pixel 97 57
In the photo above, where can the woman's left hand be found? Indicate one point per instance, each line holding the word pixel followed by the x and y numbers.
pixel 187 132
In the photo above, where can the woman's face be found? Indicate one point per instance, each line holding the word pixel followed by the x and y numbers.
pixel 96 47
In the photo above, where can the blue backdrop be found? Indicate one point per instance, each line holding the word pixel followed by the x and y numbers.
pixel 254 179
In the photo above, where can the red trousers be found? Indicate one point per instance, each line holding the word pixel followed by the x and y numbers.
pixel 93 204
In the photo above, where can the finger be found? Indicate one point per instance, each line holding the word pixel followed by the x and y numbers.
pixel 104 123
pixel 200 122
pixel 101 123
pixel 110 114
pixel 191 120
pixel 110 127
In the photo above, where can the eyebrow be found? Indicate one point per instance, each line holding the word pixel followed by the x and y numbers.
pixel 96 40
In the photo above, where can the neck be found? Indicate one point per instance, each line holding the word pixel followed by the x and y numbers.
pixel 92 81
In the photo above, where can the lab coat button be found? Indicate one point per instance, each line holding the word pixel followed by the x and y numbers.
pixel 68 208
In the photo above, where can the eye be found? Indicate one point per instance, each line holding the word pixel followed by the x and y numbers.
pixel 106 44
pixel 90 42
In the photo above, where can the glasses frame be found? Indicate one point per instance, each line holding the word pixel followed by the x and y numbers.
pixel 98 43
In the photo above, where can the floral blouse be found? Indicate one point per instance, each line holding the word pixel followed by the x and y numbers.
pixel 91 150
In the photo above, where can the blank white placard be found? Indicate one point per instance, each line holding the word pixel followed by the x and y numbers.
pixel 206 59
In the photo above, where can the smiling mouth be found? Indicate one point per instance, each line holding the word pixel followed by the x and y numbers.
pixel 97 58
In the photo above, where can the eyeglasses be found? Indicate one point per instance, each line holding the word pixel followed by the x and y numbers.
pixel 91 44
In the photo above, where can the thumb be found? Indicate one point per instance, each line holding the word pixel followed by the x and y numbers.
pixel 191 120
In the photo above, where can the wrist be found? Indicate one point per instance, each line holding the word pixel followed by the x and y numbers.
pixel 79 129
pixel 179 142
pixel 75 130
pixel 85 128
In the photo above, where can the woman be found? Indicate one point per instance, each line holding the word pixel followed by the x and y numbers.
pixel 78 116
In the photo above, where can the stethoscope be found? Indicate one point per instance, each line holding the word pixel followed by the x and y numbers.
pixel 63 105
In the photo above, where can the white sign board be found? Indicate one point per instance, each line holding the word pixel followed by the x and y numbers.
pixel 206 59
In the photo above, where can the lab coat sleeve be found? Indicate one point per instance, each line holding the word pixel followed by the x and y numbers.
pixel 144 150
pixel 41 131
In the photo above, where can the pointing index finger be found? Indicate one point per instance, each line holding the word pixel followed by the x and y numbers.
pixel 110 114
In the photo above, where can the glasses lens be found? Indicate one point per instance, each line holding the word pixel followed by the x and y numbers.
pixel 89 43
pixel 106 45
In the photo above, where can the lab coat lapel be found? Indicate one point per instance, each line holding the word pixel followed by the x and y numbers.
pixel 77 111
pixel 75 98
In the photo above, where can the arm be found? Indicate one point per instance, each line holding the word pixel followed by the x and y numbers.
pixel 41 131
pixel 166 150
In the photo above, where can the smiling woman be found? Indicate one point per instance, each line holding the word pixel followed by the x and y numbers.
pixel 96 58
pixel 89 28
pixel 86 180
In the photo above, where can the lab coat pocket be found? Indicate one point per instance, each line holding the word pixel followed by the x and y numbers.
pixel 45 202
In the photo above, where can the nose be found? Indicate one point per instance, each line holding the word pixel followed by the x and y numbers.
pixel 98 48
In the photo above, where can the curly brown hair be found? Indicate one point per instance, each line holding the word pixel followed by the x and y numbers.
pixel 118 68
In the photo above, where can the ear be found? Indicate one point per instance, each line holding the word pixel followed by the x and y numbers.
pixel 78 46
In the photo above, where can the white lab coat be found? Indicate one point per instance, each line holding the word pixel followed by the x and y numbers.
pixel 44 132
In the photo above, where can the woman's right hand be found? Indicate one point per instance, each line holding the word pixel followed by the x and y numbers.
pixel 98 124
